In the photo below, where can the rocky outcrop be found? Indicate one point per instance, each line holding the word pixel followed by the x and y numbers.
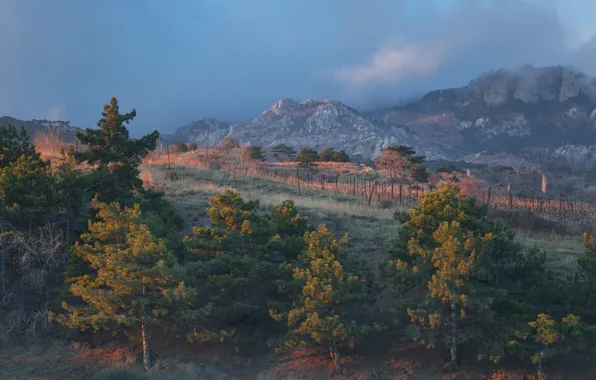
pixel 207 131
pixel 502 112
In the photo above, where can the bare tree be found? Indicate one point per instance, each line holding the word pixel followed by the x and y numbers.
pixel 34 264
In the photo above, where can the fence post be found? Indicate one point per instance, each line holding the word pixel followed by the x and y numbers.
pixel 400 193
pixel 488 196
pixel 372 190
pixel 168 152
pixel 298 178
pixel 509 196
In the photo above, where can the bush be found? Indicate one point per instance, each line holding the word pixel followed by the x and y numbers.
pixel 252 154
pixel 283 152
pixel 307 157
pixel 117 374
pixel 229 143
pixel 180 147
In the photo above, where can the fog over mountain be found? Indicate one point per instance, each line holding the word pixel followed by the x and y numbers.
pixel 507 117
pixel 186 60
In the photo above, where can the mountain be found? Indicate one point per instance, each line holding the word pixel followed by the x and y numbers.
pixel 32 127
pixel 529 113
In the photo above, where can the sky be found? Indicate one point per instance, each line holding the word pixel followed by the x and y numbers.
pixel 175 61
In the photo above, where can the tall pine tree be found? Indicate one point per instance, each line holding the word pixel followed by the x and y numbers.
pixel 135 281
pixel 318 316
pixel 114 155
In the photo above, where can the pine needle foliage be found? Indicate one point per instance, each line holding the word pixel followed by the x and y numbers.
pixel 317 316
pixel 459 273
pixel 238 259
pixel 15 143
pixel 114 155
pixel 135 281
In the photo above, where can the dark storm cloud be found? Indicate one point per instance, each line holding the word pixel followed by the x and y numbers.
pixel 179 60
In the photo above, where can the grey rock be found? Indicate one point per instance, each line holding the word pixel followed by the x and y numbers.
pixel 517 113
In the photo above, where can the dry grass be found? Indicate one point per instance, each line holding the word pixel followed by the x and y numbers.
pixel 48 143
pixel 193 180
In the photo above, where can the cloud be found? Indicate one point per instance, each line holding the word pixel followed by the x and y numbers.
pixel 230 60
pixel 54 113
pixel 448 48
pixel 393 65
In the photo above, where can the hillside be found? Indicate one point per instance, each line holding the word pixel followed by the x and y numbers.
pixel 65 131
pixel 537 113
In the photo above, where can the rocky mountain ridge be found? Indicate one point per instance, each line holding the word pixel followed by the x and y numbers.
pixel 507 112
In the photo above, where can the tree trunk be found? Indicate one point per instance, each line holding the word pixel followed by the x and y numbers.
pixel 3 252
pixel 539 368
pixel 146 349
pixel 145 338
pixel 3 267
pixel 453 348
pixel 336 358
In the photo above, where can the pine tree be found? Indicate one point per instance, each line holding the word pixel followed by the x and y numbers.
pixel 419 173
pixel 317 317
pixel 14 144
pixel 115 155
pixel 231 212
pixel 449 291
pixel 71 189
pixel 447 248
pixel 135 281
pixel 27 192
pixel 587 260
pixel 326 154
pixel 237 257
pixel 340 156
pixel 252 154
pixel 283 152
pixel 545 337
pixel 307 157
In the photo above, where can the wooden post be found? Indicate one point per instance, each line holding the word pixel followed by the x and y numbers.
pixel 298 177
pixel 372 190
pixel 509 196
pixel 400 193
pixel 336 180
pixel 488 197
pixel 392 191
pixel 168 152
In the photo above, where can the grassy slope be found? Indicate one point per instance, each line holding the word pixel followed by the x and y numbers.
pixel 371 230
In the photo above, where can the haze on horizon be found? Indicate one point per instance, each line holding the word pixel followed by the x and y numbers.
pixel 177 61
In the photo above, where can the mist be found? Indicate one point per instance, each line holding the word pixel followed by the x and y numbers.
pixel 185 60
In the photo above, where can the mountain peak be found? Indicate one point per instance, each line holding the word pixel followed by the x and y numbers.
pixel 531 84
pixel 283 104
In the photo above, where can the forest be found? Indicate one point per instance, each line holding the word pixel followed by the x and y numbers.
pixel 90 246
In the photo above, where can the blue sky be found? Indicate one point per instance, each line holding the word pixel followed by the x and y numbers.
pixel 182 60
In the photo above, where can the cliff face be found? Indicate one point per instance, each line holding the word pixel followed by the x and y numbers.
pixel 520 112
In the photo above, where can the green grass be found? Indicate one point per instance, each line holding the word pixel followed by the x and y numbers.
pixel 371 227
